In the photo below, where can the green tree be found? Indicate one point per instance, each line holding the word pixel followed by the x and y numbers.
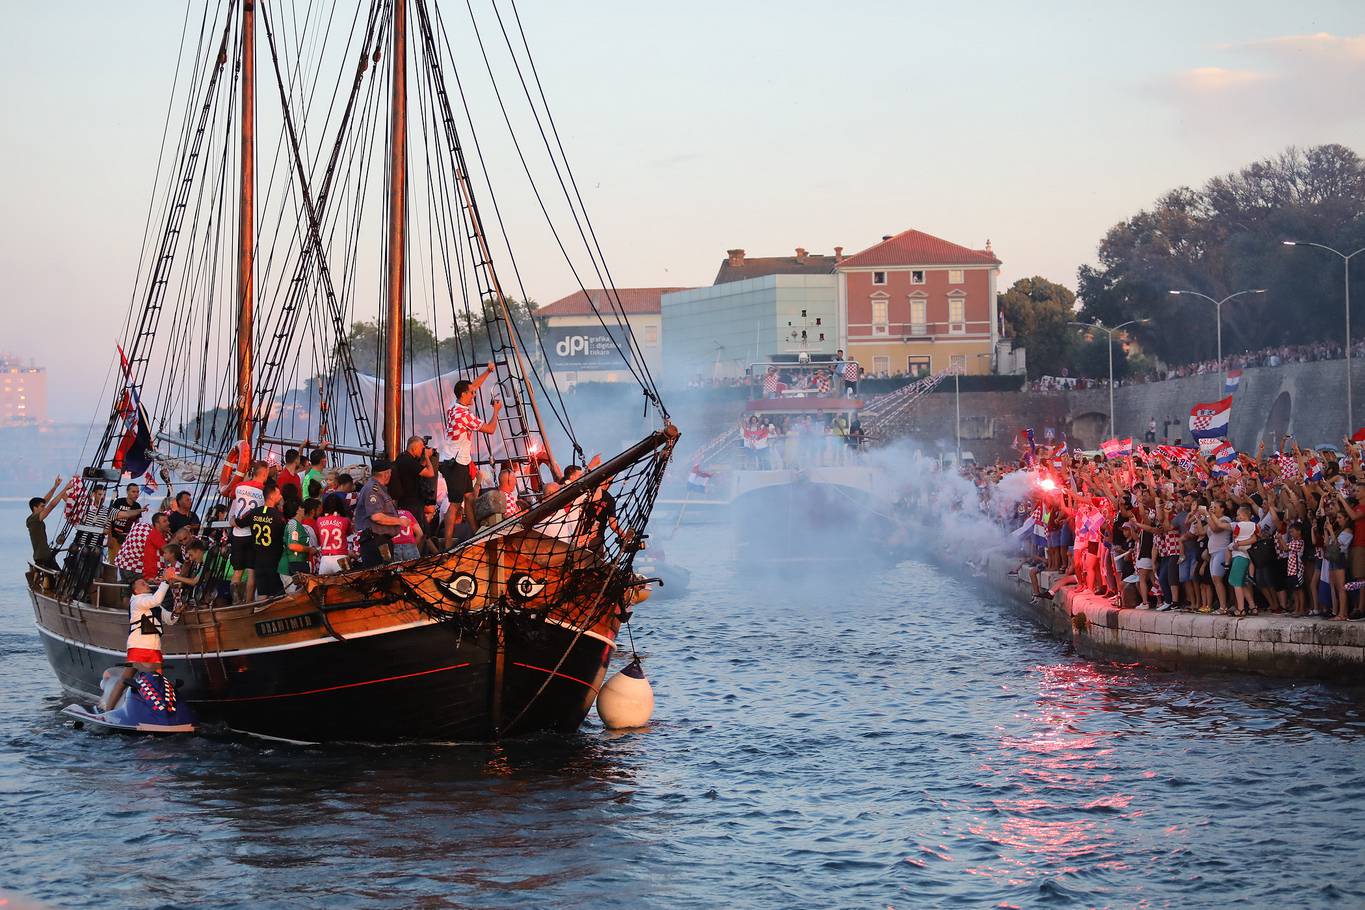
pixel 425 354
pixel 1090 356
pixel 1036 313
pixel 1227 237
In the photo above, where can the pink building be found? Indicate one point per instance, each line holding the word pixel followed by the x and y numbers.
pixel 915 304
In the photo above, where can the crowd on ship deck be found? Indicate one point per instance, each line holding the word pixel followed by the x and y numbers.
pixel 1170 529
pixel 298 516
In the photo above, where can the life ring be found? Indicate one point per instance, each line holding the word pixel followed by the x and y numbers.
pixel 235 468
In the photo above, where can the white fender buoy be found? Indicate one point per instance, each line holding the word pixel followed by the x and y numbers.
pixel 627 700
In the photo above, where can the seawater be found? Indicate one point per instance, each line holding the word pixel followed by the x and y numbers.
pixel 859 738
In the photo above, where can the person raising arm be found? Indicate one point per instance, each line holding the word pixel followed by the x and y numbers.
pixel 461 425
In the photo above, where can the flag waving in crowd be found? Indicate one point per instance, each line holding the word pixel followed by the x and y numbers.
pixel 1117 448
pixel 1234 379
pixel 1210 420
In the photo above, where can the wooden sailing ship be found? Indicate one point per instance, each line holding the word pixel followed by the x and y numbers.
pixel 509 632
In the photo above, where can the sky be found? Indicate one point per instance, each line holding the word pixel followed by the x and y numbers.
pixel 694 128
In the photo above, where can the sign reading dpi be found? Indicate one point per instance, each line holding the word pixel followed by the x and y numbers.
pixel 585 347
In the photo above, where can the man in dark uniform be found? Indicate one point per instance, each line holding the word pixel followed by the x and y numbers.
pixel 414 476
pixel 376 516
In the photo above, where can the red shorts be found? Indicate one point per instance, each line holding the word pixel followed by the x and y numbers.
pixel 143 656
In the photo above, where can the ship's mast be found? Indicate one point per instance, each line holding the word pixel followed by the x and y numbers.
pixel 246 218
pixel 398 179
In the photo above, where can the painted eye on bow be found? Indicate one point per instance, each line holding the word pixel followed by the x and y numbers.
pixel 460 587
pixel 524 587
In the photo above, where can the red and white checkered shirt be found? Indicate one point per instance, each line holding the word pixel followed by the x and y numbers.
pixel 130 553
pixel 1294 552
pixel 461 424
pixel 1168 543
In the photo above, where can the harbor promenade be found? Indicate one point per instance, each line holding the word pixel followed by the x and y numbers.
pixel 1273 645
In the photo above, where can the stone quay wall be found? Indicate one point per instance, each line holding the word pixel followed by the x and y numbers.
pixel 1306 399
pixel 1273 645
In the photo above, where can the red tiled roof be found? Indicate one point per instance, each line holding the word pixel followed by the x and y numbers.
pixel 918 248
pixel 634 302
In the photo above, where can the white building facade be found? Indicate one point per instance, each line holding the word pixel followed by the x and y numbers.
pixel 714 333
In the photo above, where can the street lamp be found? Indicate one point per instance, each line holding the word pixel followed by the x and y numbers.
pixel 1346 267
pixel 1110 333
pixel 1218 307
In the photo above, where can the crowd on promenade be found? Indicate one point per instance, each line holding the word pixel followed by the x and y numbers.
pixel 1266 357
pixel 1169 529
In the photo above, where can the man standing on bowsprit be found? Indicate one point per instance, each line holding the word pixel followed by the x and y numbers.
pixel 461 425
pixel 376 516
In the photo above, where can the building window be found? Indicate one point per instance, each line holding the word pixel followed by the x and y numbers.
pixel 817 320
pixel 879 320
pixel 917 365
pixel 879 278
pixel 919 323
pixel 955 276
pixel 651 334
pixel 958 362
pixel 957 318
pixel 881 365
pixel 917 276
pixel 822 338
pixel 803 314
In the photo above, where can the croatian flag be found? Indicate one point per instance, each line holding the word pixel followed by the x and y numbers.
pixel 1232 382
pixel 1117 448
pixel 133 453
pixel 1312 471
pixel 1210 420
pixel 1224 453
pixel 1061 449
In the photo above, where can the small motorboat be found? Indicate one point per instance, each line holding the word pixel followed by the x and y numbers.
pixel 149 704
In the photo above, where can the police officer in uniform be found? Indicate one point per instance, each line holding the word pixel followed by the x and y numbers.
pixel 376 516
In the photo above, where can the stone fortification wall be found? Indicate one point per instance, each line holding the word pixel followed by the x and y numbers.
pixel 1306 399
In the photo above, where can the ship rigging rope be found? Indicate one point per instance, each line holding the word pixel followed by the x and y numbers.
pixel 640 377
pixel 560 409
pixel 595 246
pixel 468 218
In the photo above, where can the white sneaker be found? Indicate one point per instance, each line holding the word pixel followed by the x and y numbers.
pixel 1131 580
pixel 1163 606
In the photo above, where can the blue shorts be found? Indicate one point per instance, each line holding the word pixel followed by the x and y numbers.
pixel 1068 535
pixel 1054 539
pixel 1187 565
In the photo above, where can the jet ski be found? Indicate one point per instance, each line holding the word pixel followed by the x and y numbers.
pixel 149 704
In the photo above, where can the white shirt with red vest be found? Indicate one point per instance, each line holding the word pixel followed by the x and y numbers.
pixel 147 620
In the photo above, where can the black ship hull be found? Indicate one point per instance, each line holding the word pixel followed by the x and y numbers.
pixel 429 682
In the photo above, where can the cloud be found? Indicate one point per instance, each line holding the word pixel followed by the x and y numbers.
pixel 1205 79
pixel 1320 48
pixel 1291 84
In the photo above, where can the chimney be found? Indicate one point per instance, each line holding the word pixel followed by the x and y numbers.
pixel 736 258
pixel 838 254
pixel 800 254
pixel 886 237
